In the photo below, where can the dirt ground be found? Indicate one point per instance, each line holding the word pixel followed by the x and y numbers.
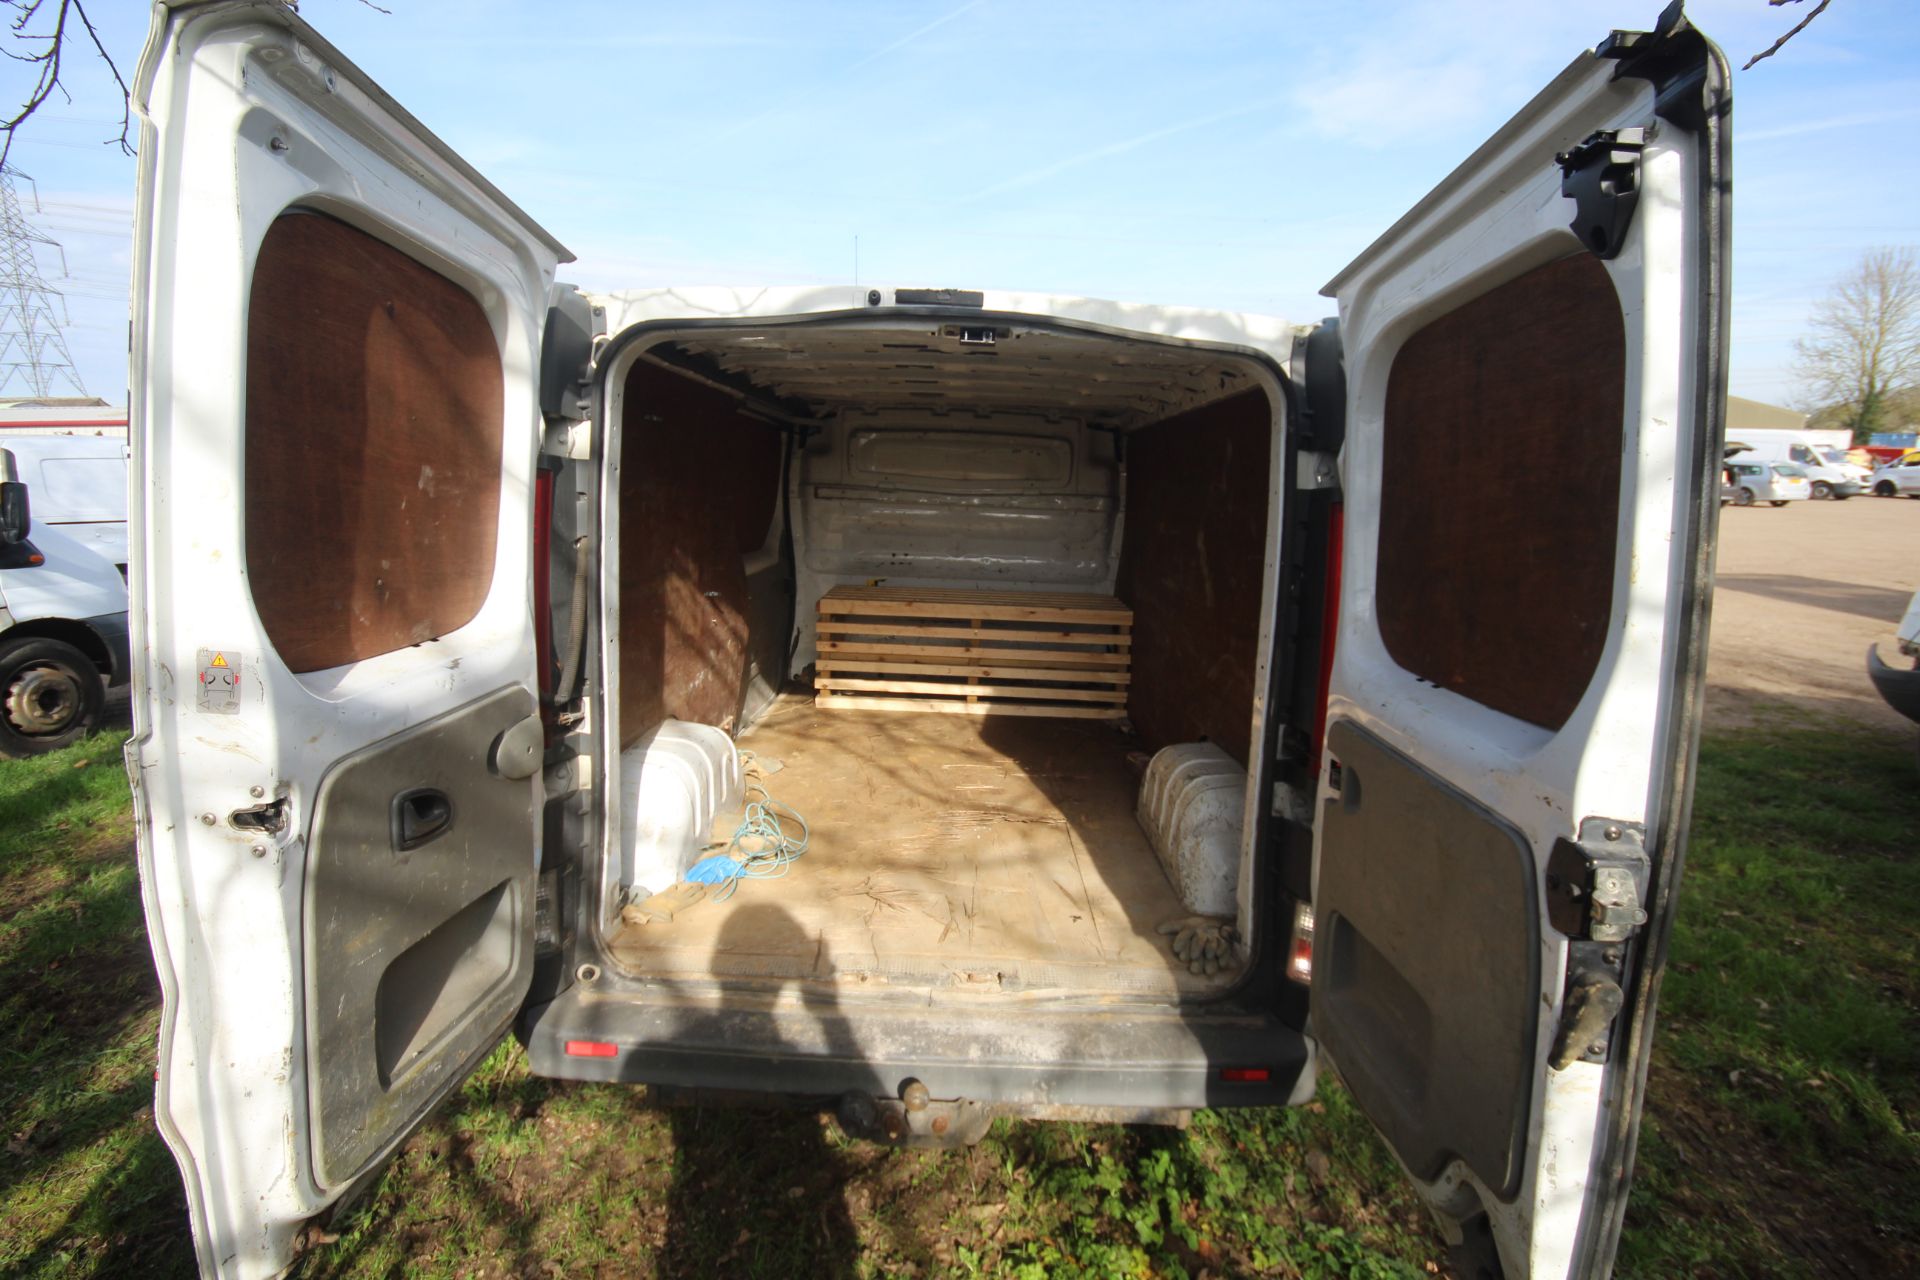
pixel 1801 592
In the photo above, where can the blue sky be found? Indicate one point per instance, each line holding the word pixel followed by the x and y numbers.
pixel 1230 155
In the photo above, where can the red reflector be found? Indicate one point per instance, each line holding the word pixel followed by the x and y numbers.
pixel 591 1049
pixel 1245 1075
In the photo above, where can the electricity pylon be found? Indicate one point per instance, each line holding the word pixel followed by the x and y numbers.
pixel 34 361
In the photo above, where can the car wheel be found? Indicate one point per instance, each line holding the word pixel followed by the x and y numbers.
pixel 1779 503
pixel 50 695
pixel 1744 498
pixel 1821 489
pixel 1886 489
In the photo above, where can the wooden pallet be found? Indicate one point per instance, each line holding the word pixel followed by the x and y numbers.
pixel 973 652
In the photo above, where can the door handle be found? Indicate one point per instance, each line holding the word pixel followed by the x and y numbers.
pixel 419 816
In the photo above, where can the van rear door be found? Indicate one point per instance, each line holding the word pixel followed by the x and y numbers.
pixel 336 752
pixel 1516 688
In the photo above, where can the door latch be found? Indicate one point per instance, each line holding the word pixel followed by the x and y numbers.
pixel 1596 895
pixel 1602 177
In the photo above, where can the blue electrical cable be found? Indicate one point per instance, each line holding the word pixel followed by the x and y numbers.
pixel 760 849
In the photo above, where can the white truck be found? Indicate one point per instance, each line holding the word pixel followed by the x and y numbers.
pixel 63 608
pixel 1823 454
pixel 435 560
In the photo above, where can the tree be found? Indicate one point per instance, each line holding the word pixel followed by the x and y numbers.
pixel 1862 344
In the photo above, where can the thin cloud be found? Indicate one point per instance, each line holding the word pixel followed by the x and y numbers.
pixel 771 113
pixel 1120 148
pixel 911 36
pixel 1858 120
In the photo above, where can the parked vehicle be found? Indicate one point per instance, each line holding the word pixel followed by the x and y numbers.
pixel 78 482
pixel 1900 686
pixel 1901 477
pixel 63 626
pixel 1777 483
pixel 1829 473
pixel 472 557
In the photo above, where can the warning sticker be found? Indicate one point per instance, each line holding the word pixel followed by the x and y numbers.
pixel 219 688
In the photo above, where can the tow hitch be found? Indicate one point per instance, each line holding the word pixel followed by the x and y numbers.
pixel 913 1119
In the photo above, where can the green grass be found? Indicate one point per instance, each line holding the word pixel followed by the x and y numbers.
pixel 86 1186
pixel 1779 1135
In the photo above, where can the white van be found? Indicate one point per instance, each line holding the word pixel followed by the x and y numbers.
pixel 63 617
pixel 78 482
pixel 425 593
pixel 1828 470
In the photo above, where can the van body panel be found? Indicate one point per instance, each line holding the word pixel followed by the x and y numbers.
pixel 75 582
pixel 1565 734
pixel 78 482
pixel 258 840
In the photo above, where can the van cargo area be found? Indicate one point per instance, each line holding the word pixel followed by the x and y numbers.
pixel 970 790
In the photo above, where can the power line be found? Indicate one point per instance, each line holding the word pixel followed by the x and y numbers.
pixel 33 353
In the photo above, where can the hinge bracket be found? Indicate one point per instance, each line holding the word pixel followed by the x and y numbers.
pixel 1602 177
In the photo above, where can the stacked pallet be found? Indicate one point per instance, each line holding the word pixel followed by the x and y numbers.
pixel 973 652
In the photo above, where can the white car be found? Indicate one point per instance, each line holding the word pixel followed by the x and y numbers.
pixel 1777 483
pixel 433 554
pixel 1900 478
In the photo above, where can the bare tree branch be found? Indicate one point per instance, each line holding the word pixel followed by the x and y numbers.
pixel 1800 26
pixel 43 52
pixel 126 94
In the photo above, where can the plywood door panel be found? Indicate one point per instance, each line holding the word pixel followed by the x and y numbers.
pixel 373 446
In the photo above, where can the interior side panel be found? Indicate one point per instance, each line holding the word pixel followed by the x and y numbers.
pixel 1527 380
pixel 418 900
pixel 1191 565
pixel 1428 997
pixel 699 484
pixel 373 433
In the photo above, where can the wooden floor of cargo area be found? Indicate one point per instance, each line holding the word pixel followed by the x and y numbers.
pixel 949 854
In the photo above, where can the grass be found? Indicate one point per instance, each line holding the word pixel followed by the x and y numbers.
pixel 1781 1134
pixel 1778 1140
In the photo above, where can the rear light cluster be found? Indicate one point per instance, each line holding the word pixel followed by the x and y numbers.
pixel 1300 952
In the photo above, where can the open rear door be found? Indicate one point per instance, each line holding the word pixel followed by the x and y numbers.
pixel 1535 371
pixel 336 755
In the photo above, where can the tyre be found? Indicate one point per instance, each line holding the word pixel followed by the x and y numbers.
pixel 50 695
pixel 1777 503
pixel 1821 489
pixel 1886 489
pixel 1744 498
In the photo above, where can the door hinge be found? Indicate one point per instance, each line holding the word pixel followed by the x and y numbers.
pixel 1602 177
pixel 1596 896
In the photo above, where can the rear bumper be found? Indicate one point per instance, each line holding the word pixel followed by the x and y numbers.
pixel 1900 689
pixel 1012 1060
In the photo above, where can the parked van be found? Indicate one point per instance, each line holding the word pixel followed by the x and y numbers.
pixel 438 562
pixel 63 625
pixel 1828 471
pixel 78 482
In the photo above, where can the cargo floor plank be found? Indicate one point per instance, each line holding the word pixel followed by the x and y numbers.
pixel 960 856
